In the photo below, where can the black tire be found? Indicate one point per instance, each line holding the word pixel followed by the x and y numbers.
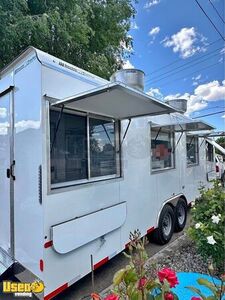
pixel 164 232
pixel 180 215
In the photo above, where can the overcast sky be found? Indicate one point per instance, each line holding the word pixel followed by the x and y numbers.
pixel 181 53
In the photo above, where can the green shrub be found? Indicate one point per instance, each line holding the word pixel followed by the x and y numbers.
pixel 208 224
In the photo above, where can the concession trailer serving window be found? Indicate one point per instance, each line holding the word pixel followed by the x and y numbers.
pixel 162 154
pixel 82 147
pixel 84 131
pixel 192 150
pixel 163 143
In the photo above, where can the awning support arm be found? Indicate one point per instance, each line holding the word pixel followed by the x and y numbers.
pixel 57 127
pixel 178 141
pixel 192 138
pixel 125 133
pixel 107 134
pixel 204 139
pixel 158 133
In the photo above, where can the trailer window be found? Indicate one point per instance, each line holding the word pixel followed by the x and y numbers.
pixel 68 147
pixel 102 147
pixel 82 148
pixel 209 152
pixel 162 156
pixel 192 150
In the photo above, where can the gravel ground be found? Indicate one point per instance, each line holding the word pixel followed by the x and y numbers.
pixel 183 259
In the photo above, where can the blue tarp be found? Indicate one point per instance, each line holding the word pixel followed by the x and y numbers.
pixel 190 279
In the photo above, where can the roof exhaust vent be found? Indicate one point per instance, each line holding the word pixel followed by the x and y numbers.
pixel 179 104
pixel 134 78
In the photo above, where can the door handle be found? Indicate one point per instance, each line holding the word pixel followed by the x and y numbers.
pixel 10 171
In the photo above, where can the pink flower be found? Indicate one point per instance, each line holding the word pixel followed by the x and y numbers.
pixel 112 297
pixel 169 275
pixel 142 282
pixel 196 298
pixel 169 296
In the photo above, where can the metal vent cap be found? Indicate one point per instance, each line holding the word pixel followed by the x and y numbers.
pixel 132 77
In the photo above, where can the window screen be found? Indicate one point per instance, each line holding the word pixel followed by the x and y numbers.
pixel 102 147
pixel 161 150
pixel 68 147
pixel 209 152
pixel 192 150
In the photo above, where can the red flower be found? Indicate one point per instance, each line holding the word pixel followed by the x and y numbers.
pixel 169 296
pixel 196 298
pixel 169 275
pixel 112 297
pixel 142 283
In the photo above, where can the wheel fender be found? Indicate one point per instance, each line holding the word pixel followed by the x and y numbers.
pixel 172 202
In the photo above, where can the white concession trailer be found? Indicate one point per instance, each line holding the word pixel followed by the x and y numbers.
pixel 85 161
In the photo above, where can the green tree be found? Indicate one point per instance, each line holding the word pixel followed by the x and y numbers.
pixel 221 141
pixel 88 33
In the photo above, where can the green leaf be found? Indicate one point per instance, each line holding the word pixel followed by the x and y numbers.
pixel 118 277
pixel 150 297
pixel 159 297
pixel 134 296
pixel 208 284
pixel 130 276
pixel 197 291
pixel 175 297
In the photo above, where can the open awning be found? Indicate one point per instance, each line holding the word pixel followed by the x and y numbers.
pixel 114 100
pixel 185 126
pixel 209 134
pixel 217 146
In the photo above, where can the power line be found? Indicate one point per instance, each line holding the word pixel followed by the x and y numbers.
pixel 178 78
pixel 215 113
pixel 173 73
pixel 202 9
pixel 191 62
pixel 212 108
pixel 175 61
pixel 218 14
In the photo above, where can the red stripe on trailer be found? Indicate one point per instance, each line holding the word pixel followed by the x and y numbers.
pixel 150 230
pixel 48 244
pixel 127 245
pixel 101 262
pixel 56 292
pixel 41 265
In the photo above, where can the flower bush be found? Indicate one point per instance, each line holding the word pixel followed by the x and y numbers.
pixel 208 224
pixel 133 283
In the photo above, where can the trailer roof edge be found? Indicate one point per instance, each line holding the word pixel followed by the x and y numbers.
pixel 49 60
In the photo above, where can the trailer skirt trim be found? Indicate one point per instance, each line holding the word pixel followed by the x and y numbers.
pixel 101 263
pixel 56 292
